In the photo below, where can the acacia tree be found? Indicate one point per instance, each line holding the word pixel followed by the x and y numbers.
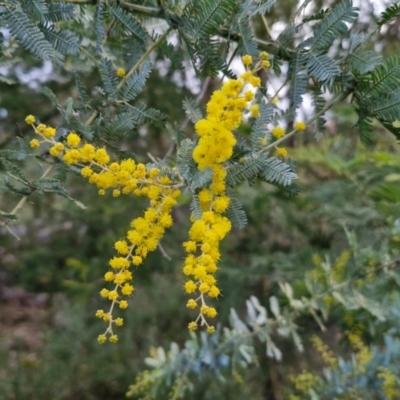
pixel 206 162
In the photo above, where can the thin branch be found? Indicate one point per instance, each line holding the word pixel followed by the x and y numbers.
pixel 163 252
pixel 90 120
pixel 144 56
pixel 338 98
pixel 266 25
pixel 25 198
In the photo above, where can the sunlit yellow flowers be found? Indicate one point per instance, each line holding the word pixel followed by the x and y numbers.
pixel 30 119
pixel 299 126
pixel 278 132
pixel 121 72
pixel 281 152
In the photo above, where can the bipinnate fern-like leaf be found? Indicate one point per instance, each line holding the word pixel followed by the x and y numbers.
pixel 319 103
pixel 207 17
pixel 131 25
pixel 192 111
pixel 13 170
pixel 259 129
pixel 248 169
pixel 387 108
pixel 36 8
pixel 299 79
pixel 201 178
pixel 109 78
pixel 63 41
pixel 235 212
pixel 135 83
pixel 29 35
pixel 247 44
pixel 277 171
pixel 251 8
pixel 195 207
pixel 333 25
pixel 381 80
pixel 360 59
pixel 82 91
pixel 184 159
pixel 57 12
pixel 140 114
pixel 390 14
pixel 169 51
pixel 323 68
pixel 121 125
pixel 320 15
pixel 100 32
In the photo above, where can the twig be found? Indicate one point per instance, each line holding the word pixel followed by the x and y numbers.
pixel 25 198
pixel 266 25
pixel 163 252
pixel 338 98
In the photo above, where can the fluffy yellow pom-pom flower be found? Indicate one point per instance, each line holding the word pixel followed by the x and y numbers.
pixel 121 72
pixel 30 119
pixel 278 132
pixel 34 143
pixel 281 151
pixel 299 126
pixel 247 60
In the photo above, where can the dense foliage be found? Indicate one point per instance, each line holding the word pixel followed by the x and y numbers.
pixel 317 270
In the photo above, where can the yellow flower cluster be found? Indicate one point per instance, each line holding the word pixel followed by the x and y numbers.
pixel 304 382
pixel 327 354
pixel 341 262
pixel 390 385
pixel 363 352
pixel 123 177
pixel 121 72
pixel 215 146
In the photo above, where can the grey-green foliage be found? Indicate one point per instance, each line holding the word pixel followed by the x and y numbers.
pixel 228 349
pixel 34 24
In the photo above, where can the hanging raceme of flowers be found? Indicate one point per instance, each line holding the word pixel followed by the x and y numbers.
pixel 215 146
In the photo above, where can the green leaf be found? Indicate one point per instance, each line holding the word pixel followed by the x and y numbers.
pixel 13 155
pixel 142 114
pixel 202 178
pixel 333 25
pixel 207 17
pixel 247 44
pixel 381 80
pixel 14 171
pixel 359 58
pixel 259 129
pixel 252 8
pixel 184 159
pixel 298 79
pixel 135 83
pixel 59 12
pixel 277 171
pixel 29 35
pixel 100 32
pixel 191 110
pixel 109 77
pixel 130 24
pixel 120 126
pixel 64 41
pixel 37 8
pixel 323 68
pixel 195 207
pixel 235 212
pixel 248 169
pixel 390 14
